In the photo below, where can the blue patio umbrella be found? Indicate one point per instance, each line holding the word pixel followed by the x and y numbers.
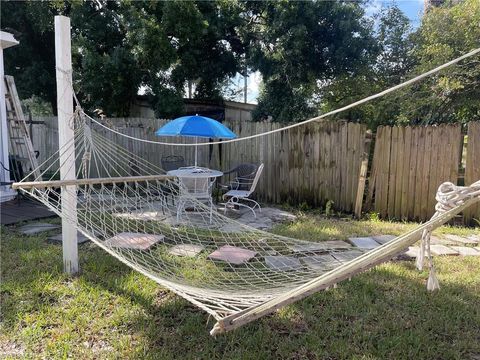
pixel 196 126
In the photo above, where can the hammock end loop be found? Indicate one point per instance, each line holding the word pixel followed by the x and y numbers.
pixel 218 328
pixel 432 283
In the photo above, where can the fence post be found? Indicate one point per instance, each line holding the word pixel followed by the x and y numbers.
pixel 363 175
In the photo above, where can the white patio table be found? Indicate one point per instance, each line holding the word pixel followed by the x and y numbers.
pixel 196 182
pixel 195 172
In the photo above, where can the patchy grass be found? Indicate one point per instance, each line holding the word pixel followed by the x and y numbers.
pixel 110 311
pixel 313 226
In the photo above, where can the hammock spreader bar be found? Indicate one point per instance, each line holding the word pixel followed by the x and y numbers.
pixel 364 262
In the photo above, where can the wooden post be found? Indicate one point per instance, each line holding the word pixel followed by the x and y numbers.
pixel 63 61
pixel 362 176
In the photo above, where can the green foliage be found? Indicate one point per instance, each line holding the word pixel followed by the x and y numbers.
pixel 314 56
pixel 167 103
pixel 206 43
pixel 33 62
pixel 389 66
pixel 452 95
pixel 304 206
pixel 373 216
pixel 329 211
pixel 119 47
pixel 37 106
pixel 296 45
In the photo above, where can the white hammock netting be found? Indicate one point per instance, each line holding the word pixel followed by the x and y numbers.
pixel 128 207
pixel 119 195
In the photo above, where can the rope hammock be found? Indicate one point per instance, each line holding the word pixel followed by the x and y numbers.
pixel 127 206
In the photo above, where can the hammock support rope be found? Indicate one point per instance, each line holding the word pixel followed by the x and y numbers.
pixel 305 122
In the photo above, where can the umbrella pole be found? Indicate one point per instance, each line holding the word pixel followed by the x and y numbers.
pixel 196 140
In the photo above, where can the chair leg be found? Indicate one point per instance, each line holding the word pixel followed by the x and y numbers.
pixel 256 204
pixel 180 205
pixel 229 201
pixel 232 201
pixel 252 208
pixel 210 203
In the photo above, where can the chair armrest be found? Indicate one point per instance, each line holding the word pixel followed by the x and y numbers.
pixel 230 171
pixel 244 181
pixel 244 178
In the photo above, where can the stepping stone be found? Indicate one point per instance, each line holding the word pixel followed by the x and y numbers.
pixel 137 241
pixel 321 262
pixel 319 246
pixel 336 244
pixel 232 254
pixel 282 263
pixel 412 252
pixel 461 239
pixel 188 250
pixel 442 250
pixel 308 247
pixel 466 251
pixel 348 255
pixel 364 242
pixel 32 229
pixel 144 215
pixel 383 239
pixel 434 240
pixel 80 238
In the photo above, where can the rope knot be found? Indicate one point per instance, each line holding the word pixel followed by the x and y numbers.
pixel 448 197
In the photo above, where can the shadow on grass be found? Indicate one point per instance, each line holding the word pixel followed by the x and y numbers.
pixel 384 313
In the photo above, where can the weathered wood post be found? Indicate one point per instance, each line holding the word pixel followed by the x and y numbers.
pixel 63 61
pixel 362 178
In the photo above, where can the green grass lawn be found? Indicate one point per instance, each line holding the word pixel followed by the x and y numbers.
pixel 110 311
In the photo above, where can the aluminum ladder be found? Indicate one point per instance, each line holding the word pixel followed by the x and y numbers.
pixel 21 147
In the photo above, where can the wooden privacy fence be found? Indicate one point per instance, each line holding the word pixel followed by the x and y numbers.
pixel 311 164
pixel 321 161
pixel 409 164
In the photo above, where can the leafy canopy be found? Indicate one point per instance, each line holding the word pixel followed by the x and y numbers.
pixel 297 45
pixel 314 56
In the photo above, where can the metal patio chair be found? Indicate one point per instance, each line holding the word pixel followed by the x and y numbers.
pixel 172 162
pixel 244 175
pixel 242 197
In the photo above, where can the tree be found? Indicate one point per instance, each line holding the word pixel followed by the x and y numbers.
pixel 32 63
pixel 452 95
pixel 105 75
pixel 207 45
pixel 390 65
pixel 297 45
pixel 119 47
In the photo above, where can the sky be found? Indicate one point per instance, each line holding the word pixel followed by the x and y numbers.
pixel 413 9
